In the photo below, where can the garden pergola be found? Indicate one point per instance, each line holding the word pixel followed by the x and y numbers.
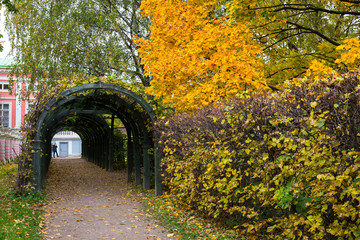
pixel 81 110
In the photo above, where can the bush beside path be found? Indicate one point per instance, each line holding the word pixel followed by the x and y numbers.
pixel 87 202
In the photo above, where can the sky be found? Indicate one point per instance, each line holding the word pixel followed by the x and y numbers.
pixel 5 39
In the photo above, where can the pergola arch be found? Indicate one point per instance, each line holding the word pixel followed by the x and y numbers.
pixel 80 109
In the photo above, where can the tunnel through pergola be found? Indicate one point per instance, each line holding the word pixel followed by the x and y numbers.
pixel 82 109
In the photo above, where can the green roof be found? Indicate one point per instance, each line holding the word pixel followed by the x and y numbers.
pixel 6 62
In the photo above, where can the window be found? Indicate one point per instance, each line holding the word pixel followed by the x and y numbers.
pixel 4 115
pixel 4 87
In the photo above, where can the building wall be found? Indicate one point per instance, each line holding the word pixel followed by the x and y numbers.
pixel 18 109
pixel 10 140
pixel 9 149
pixel 17 106
pixel 6 98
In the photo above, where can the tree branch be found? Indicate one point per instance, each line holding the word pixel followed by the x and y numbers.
pixel 307 7
pixel 349 1
pixel 316 9
pixel 315 32
pixel 282 39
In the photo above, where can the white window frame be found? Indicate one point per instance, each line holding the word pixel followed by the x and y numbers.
pixel 10 112
pixel 2 86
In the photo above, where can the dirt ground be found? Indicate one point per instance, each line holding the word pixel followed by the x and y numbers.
pixel 87 202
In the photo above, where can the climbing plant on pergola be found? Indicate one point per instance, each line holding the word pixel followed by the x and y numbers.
pixel 80 109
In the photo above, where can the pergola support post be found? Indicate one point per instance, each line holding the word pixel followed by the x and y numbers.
pixel 157 171
pixel 111 146
pixel 136 148
pixel 146 164
pixel 130 158
pixel 37 165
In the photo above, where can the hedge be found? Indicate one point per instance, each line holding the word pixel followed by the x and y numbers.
pixel 281 165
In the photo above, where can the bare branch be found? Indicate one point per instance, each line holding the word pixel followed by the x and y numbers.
pixel 349 1
pixel 282 39
pixel 315 32
pixel 307 7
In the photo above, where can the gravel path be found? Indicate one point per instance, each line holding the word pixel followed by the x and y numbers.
pixel 87 202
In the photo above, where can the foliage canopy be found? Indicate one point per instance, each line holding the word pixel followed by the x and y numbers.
pixel 198 52
pixel 54 39
pixel 296 32
pixel 195 55
pixel 202 51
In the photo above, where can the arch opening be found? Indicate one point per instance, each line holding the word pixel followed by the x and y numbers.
pixel 68 144
pixel 91 111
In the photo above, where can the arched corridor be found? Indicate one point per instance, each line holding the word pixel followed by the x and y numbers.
pixel 90 111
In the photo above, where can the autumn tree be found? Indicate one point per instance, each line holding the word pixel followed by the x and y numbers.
pixel 296 32
pixel 195 55
pixel 8 5
pixel 54 39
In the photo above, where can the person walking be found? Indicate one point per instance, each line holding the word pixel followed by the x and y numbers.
pixel 54 148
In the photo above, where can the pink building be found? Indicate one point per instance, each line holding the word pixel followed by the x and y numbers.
pixel 12 112
pixel 12 109
pixel 9 145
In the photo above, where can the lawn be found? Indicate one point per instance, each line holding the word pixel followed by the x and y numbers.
pixel 20 216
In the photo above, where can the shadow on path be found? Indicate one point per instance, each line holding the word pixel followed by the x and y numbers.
pixel 87 202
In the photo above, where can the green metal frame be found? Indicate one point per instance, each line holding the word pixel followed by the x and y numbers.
pixel 78 109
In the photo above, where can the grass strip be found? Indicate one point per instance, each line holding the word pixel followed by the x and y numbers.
pixel 20 216
pixel 182 223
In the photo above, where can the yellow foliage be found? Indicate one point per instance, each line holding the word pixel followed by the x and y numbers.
pixel 195 57
pixel 350 58
pixel 318 69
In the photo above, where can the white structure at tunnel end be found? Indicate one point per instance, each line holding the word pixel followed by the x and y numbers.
pixel 69 144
